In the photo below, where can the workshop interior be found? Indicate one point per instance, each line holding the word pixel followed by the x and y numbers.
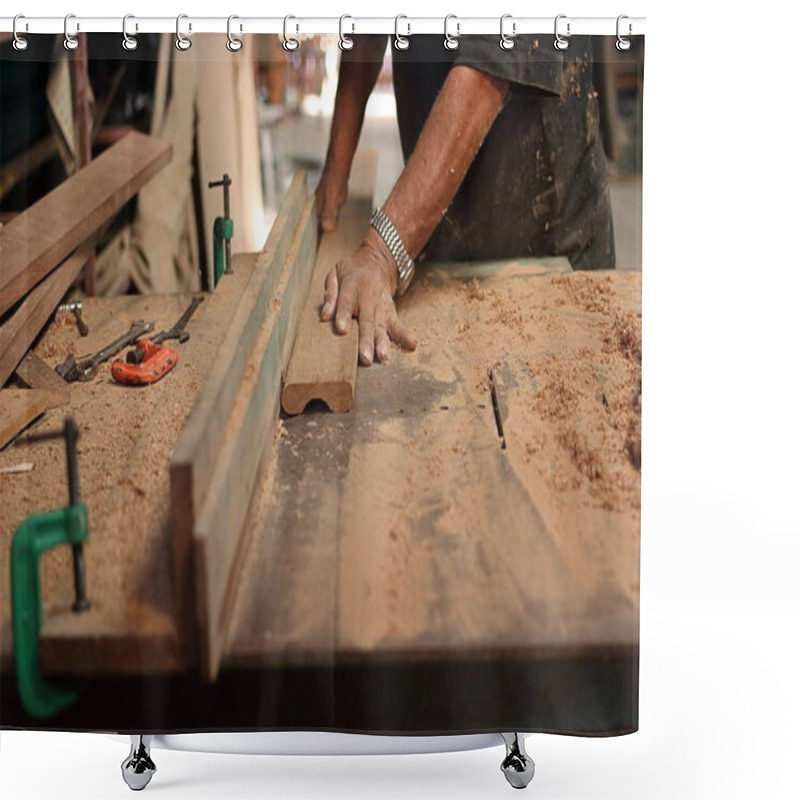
pixel 220 522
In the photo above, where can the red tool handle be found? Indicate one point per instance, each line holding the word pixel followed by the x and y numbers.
pixel 159 360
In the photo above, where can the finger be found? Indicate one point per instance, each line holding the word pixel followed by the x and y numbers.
pixel 382 344
pixel 366 337
pixel 328 217
pixel 400 334
pixel 346 306
pixel 331 294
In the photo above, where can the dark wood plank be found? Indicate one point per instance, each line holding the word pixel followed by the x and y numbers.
pixel 19 331
pixel 18 408
pixel 35 374
pixel 34 242
pixel 220 524
pixel 323 363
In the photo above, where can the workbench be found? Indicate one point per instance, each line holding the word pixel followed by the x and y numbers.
pixel 455 539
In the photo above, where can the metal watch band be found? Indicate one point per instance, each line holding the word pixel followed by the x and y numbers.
pixel 387 232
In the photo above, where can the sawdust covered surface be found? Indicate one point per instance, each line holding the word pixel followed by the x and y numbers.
pixel 562 354
pixel 126 437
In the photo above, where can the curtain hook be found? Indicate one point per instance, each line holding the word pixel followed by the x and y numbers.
pixel 561 42
pixel 401 42
pixel 129 42
pixel 506 41
pixel 289 43
pixel 451 42
pixel 70 42
pixel 345 42
pixel 233 44
pixel 623 44
pixel 181 42
pixel 20 42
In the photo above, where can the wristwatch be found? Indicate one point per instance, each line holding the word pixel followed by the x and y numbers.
pixel 387 232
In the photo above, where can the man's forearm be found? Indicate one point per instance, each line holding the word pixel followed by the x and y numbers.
pixel 358 73
pixel 462 115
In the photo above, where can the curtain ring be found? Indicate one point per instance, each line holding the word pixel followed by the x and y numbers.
pixel 506 41
pixel 345 42
pixel 401 42
pixel 561 42
pixel 20 42
pixel 623 44
pixel 289 43
pixel 70 42
pixel 181 42
pixel 129 42
pixel 233 44
pixel 451 42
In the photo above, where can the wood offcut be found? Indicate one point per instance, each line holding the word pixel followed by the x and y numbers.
pixel 324 363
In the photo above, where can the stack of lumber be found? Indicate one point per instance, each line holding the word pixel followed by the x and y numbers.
pixel 44 249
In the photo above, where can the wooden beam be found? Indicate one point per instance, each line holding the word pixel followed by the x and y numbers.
pixel 324 363
pixel 35 374
pixel 18 332
pixel 220 527
pixel 18 408
pixel 33 243
pixel 216 459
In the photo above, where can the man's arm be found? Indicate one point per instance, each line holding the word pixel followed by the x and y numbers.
pixel 357 79
pixel 363 284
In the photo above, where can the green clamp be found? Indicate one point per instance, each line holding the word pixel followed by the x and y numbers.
pixel 223 232
pixel 36 534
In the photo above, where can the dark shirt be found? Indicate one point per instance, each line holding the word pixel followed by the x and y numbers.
pixel 538 185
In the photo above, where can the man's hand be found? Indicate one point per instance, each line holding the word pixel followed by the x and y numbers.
pixel 362 285
pixel 331 194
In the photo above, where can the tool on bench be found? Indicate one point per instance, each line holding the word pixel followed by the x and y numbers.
pixel 150 361
pixel 76 307
pixel 40 532
pixel 72 370
pixel 223 232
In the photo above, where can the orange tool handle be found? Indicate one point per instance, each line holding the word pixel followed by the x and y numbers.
pixel 159 361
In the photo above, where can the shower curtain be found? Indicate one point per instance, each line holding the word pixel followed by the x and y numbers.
pixel 442 538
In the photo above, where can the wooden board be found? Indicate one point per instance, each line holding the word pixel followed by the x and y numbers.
pixel 23 326
pixel 35 241
pixel 220 525
pixel 35 374
pixel 240 387
pixel 323 363
pixel 411 531
pixel 18 408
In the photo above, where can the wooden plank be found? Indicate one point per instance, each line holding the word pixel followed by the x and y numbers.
pixel 35 374
pixel 219 530
pixel 34 242
pixel 23 326
pixel 18 408
pixel 196 452
pixel 324 363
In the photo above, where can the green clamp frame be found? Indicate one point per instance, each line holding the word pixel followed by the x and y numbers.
pixel 36 534
pixel 223 233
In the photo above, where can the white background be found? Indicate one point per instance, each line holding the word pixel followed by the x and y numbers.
pixel 720 601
